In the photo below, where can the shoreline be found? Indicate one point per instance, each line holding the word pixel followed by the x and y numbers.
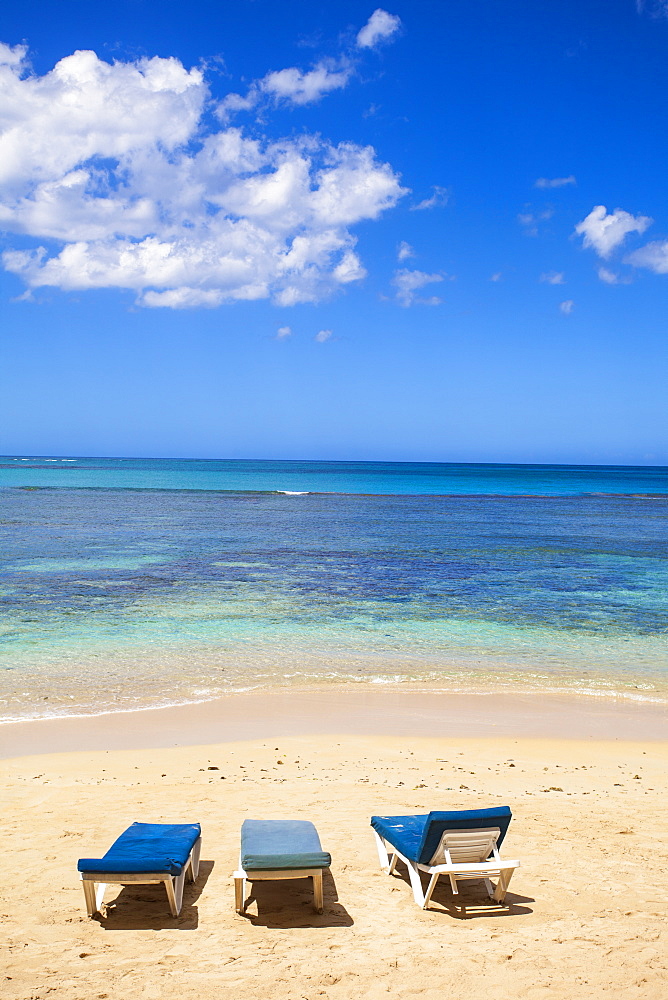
pixel 282 713
pixel 456 677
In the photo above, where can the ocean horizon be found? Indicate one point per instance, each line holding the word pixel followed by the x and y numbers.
pixel 333 476
pixel 138 583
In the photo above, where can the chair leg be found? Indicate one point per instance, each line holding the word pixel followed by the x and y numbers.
pixel 194 859
pixel 93 894
pixel 383 857
pixel 416 883
pixel 240 893
pixel 99 896
pixel 393 863
pixel 318 901
pixel 505 876
pixel 432 885
pixel 174 906
pixel 89 895
pixel 179 884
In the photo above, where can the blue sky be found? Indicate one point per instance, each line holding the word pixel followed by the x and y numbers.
pixel 431 231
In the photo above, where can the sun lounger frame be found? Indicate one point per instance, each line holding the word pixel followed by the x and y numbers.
pixel 471 850
pixel 241 877
pixel 277 850
pixel 95 883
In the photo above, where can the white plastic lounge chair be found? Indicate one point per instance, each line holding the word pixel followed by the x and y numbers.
pixel 145 854
pixel 462 844
pixel 279 849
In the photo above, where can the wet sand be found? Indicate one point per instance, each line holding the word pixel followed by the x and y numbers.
pixel 299 712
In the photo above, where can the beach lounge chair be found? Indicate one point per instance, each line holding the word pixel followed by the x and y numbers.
pixel 279 849
pixel 145 854
pixel 462 844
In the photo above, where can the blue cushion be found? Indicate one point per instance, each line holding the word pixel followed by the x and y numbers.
pixel 403 832
pixel 417 837
pixel 279 845
pixel 147 847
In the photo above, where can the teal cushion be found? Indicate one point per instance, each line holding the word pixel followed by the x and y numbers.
pixel 281 845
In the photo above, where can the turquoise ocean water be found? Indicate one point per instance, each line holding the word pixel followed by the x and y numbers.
pixel 136 582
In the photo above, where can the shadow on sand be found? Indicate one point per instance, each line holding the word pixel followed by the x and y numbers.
pixel 471 902
pixel 290 904
pixel 145 907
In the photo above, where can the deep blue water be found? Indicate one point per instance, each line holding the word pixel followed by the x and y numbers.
pixel 116 591
pixel 330 477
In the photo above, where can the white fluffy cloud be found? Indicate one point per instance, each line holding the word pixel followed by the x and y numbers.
pixel 407 284
pixel 12 55
pixel 532 220
pixel 322 336
pixel 552 277
pixel 295 87
pixel 437 200
pixel 567 307
pixel 379 28
pixel 603 231
pixel 289 86
pixel 404 251
pixel 111 162
pixel 283 332
pixel 555 182
pixel 99 110
pixel 304 88
pixel 653 256
pixel 656 8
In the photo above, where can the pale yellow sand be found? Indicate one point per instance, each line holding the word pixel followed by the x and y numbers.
pixel 588 905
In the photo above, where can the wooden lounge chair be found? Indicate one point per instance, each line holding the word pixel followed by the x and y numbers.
pixel 279 849
pixel 462 844
pixel 145 854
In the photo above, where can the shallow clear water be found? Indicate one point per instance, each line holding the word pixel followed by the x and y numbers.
pixel 128 597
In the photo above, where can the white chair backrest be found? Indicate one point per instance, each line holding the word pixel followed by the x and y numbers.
pixel 466 846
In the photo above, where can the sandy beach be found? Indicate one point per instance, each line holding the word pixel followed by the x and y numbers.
pixel 587 907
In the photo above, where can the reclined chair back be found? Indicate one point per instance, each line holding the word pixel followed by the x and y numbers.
pixel 466 847
pixel 486 822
